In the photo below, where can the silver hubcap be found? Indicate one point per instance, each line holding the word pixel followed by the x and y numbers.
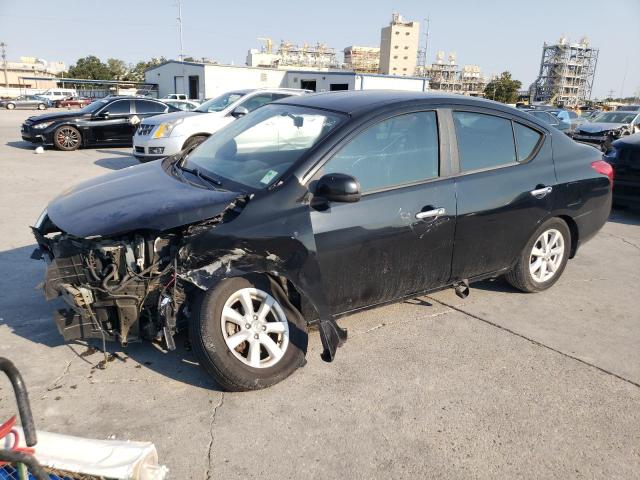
pixel 546 255
pixel 68 137
pixel 255 328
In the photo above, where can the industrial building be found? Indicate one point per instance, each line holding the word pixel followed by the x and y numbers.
pixel 399 47
pixel 566 73
pixel 14 75
pixel 203 80
pixel 288 54
pixel 362 59
pixel 448 76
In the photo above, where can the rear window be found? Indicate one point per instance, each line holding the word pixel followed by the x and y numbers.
pixel 484 141
pixel 526 140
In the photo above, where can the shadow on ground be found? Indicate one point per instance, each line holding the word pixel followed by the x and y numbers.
pixel 25 312
pixel 21 144
pixel 117 163
pixel 626 216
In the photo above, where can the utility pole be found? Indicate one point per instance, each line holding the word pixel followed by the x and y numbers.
pixel 3 46
pixel 181 44
pixel 426 44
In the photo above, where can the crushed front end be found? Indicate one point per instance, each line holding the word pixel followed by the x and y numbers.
pixel 123 288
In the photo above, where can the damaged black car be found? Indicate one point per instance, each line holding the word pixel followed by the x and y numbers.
pixel 312 208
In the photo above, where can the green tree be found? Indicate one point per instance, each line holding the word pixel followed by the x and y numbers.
pixel 136 74
pixel 117 68
pixel 90 67
pixel 503 89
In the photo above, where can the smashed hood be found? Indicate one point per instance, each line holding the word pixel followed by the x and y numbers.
pixel 142 197
pixel 599 127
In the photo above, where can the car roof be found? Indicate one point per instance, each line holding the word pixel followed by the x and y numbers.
pixel 365 101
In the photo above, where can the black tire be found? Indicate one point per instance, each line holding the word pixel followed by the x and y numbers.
pixel 41 106
pixel 62 143
pixel 11 106
pixel 194 141
pixel 520 276
pixel 209 345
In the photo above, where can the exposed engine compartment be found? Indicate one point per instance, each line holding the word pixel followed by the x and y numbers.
pixel 124 288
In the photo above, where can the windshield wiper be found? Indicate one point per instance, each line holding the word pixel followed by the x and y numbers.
pixel 202 176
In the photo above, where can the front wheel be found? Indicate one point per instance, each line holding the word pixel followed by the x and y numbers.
pixel 247 335
pixel 10 106
pixel 41 106
pixel 67 138
pixel 543 259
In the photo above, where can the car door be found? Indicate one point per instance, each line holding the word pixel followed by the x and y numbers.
pixel 397 239
pixel 112 124
pixel 504 189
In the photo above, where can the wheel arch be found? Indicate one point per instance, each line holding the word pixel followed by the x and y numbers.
pixel 201 134
pixel 573 230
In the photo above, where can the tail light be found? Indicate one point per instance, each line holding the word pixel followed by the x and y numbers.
pixel 603 168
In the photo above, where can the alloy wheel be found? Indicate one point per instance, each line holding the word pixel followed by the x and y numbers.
pixel 68 137
pixel 546 255
pixel 255 328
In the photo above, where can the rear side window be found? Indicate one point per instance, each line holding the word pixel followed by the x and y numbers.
pixel 143 106
pixel 119 107
pixel 396 151
pixel 257 101
pixel 484 141
pixel 526 140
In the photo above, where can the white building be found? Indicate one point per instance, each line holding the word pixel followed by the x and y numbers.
pixel 200 80
pixel 399 47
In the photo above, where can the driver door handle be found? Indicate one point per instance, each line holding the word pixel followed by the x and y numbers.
pixel 436 212
pixel 541 192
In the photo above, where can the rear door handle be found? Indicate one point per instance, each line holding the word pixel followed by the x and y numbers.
pixel 436 212
pixel 541 192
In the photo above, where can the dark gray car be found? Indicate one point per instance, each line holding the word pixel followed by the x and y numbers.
pixel 25 102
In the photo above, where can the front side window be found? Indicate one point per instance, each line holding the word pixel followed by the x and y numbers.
pixel 484 141
pixel 118 108
pixel 257 149
pixel 396 151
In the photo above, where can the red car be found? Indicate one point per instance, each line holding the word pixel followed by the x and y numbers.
pixel 72 102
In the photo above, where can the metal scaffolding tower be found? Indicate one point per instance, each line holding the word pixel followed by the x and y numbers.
pixel 567 71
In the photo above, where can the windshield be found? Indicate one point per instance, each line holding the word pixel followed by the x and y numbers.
pixel 94 106
pixel 258 148
pixel 219 103
pixel 614 117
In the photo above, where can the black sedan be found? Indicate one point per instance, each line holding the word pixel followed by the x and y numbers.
pixel 108 122
pixel 309 209
pixel 624 157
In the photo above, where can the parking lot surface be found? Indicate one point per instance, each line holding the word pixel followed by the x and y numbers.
pixel 499 385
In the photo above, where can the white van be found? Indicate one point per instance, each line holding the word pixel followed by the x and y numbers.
pixel 54 94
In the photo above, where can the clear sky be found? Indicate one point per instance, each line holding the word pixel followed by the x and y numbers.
pixel 497 35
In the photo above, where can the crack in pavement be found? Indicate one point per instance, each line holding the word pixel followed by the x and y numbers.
pixel 411 320
pixel 624 240
pixel 535 342
pixel 55 385
pixel 207 473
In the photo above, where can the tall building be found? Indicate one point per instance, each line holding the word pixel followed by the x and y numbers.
pixel 362 59
pixel 448 76
pixel 566 73
pixel 399 47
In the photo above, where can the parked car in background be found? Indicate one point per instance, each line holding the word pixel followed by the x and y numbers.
pixel 176 96
pixel 25 102
pixel 568 116
pixel 590 114
pixel 109 121
pixel 607 127
pixel 53 94
pixel 184 105
pixel 550 119
pixel 628 108
pixel 168 134
pixel 624 157
pixel 72 102
pixel 312 208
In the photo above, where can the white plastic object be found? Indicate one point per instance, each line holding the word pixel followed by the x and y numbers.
pixel 39 149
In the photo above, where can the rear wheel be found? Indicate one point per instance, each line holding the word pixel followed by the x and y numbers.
pixel 247 335
pixel 193 142
pixel 67 138
pixel 41 106
pixel 10 106
pixel 543 259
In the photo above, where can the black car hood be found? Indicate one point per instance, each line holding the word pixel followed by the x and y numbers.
pixel 142 197
pixel 47 117
pixel 599 127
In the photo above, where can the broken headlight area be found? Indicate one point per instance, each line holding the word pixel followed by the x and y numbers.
pixel 123 288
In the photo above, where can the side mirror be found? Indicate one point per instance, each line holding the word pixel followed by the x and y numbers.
pixel 338 187
pixel 239 111
pixel 103 114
